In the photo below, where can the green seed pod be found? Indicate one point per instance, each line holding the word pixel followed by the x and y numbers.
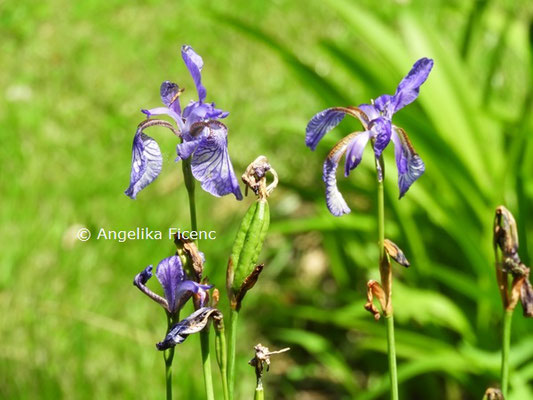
pixel 247 246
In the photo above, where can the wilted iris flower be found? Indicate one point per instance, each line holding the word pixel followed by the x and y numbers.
pixel 376 120
pixel 177 288
pixel 204 138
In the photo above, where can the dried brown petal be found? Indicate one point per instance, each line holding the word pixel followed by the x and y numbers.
pixel 375 289
pixel 248 283
pixel 493 394
pixel 526 296
pixel 395 253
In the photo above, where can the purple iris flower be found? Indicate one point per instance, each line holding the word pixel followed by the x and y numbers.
pixel 204 139
pixel 376 120
pixel 177 288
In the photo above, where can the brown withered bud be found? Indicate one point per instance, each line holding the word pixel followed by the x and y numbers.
pixel 215 297
pixel 375 289
pixel 262 357
pixel 255 177
pixel 191 258
pixel 493 394
pixel 248 283
pixel 395 253
pixel 505 231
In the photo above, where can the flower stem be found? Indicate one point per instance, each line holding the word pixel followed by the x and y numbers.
pixel 222 357
pixel 204 334
pixel 391 350
pixel 206 364
pixel 168 356
pixel 259 393
pixel 234 315
pixel 386 281
pixel 506 345
pixel 189 184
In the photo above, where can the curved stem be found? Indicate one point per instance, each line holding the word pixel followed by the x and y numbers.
pixel 506 345
pixel 234 315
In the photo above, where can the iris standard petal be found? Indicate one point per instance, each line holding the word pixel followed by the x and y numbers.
pixel 146 163
pixel 170 93
pixel 170 274
pixel 409 87
pixel 334 200
pixel 381 127
pixel 211 164
pixel 354 151
pixel 410 165
pixel 328 119
pixel 370 111
pixel 186 289
pixel 194 64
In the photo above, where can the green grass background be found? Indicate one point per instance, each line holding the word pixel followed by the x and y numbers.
pixel 74 75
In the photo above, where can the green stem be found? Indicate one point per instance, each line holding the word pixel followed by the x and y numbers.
pixel 259 393
pixel 234 316
pixel 386 281
pixel 391 350
pixel 189 184
pixel 222 357
pixel 206 364
pixel 204 334
pixel 168 356
pixel 506 345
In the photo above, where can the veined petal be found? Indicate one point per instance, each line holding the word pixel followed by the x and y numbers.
pixel 354 151
pixel 165 111
pixel 328 119
pixel 194 64
pixel 382 129
pixel 170 274
pixel 146 163
pixel 410 165
pixel 185 149
pixel 409 87
pixel 334 200
pixel 170 93
pixel 211 164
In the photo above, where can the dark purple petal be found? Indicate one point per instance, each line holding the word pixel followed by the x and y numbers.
pixel 321 124
pixel 194 64
pixel 381 127
pixel 328 119
pixel 354 151
pixel 409 87
pixel 211 164
pixel 384 105
pixel 186 289
pixel 334 200
pixel 165 111
pixel 410 165
pixel 170 274
pixel 170 96
pixel 146 163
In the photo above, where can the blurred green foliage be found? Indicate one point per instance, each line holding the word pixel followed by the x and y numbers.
pixel 74 76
